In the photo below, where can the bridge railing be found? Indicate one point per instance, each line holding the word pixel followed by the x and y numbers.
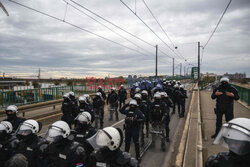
pixel 30 96
pixel 244 93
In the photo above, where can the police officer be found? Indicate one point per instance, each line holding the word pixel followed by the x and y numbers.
pixel 86 106
pixel 177 98
pixel 183 100
pixel 169 104
pixel 233 135
pixel 122 93
pixel 102 92
pixel 225 94
pixel 107 143
pixel 11 112
pixel 75 104
pixel 67 109
pixel 8 142
pixel 62 151
pixel 83 130
pixel 98 104
pixel 134 118
pixel 146 103
pixel 30 144
pixel 18 160
pixel 158 115
pixel 113 101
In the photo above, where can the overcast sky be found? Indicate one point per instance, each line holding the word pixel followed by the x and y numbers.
pixel 29 40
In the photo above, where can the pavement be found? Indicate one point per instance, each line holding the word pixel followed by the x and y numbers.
pixel 208 122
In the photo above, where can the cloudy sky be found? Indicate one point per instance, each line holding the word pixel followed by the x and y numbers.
pixel 29 40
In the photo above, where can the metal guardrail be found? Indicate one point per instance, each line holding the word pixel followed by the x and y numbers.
pixel 244 93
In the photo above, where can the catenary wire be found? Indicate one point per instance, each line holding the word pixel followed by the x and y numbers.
pixel 217 24
pixel 73 25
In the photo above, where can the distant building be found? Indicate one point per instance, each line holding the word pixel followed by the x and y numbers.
pixel 209 75
pixel 235 75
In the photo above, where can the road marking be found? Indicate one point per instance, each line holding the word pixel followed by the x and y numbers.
pixel 117 123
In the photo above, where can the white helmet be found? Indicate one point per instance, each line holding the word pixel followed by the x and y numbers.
pixel 98 94
pixel 57 130
pixel 182 86
pixel 84 117
pixel 72 93
pixel 157 95
pixel 66 96
pixel 133 102
pixel 138 95
pixel 6 126
pixel 12 108
pixel 235 135
pixel 122 85
pixel 164 94
pixel 137 90
pixel 82 98
pixel 27 127
pixel 224 79
pixel 86 96
pixel 113 88
pixel 108 137
pixel 176 86
pixel 99 87
pixel 144 92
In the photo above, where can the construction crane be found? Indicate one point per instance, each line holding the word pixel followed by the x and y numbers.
pixel 4 9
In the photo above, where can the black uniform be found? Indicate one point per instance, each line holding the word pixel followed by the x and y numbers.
pixel 8 143
pixel 87 107
pixel 133 120
pixel 75 105
pixel 183 101
pixel 224 104
pixel 65 153
pixel 168 105
pixel 68 107
pixel 31 147
pixel 113 101
pixel 15 121
pixel 146 104
pixel 115 158
pixel 103 93
pixel 177 100
pixel 228 159
pixel 158 115
pixel 98 104
pixel 122 93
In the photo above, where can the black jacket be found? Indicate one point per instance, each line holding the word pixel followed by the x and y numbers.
pixel 224 99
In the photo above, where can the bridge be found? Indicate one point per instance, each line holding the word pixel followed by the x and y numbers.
pixel 190 142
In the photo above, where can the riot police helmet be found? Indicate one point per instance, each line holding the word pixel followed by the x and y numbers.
pixel 137 96
pixel 6 126
pixel 28 127
pixel 109 137
pixel 11 110
pixel 144 92
pixel 235 135
pixel 57 131
pixel 83 118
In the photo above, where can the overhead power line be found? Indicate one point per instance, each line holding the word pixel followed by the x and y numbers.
pixel 149 27
pixel 81 11
pixel 217 24
pixel 73 25
pixel 112 23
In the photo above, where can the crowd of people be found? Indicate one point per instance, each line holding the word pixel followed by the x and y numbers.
pixel 80 138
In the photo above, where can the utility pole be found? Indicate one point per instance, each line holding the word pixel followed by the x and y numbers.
pixel 180 71
pixel 156 60
pixel 184 71
pixel 198 61
pixel 173 67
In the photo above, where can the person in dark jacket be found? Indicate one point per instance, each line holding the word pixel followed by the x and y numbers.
pixel 67 110
pixel 113 101
pixel 102 92
pixel 106 143
pixel 11 112
pixel 183 100
pixel 146 103
pixel 75 103
pixel 134 118
pixel 61 151
pixel 98 105
pixel 8 142
pixel 30 145
pixel 225 95
pixel 86 106
pixel 177 94
pixel 233 135
pixel 122 93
